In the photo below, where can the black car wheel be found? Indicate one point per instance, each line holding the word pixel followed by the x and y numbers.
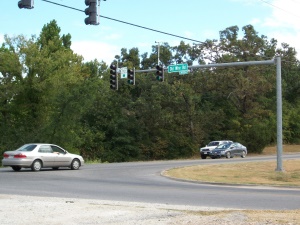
pixel 16 168
pixel 36 165
pixel 75 164
pixel 203 156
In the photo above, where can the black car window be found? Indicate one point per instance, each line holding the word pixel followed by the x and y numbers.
pixel 45 149
pixel 27 148
pixel 57 149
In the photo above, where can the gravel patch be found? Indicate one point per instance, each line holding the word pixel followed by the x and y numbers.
pixel 28 210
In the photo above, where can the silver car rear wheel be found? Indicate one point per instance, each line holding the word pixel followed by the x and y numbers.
pixel 75 164
pixel 36 165
pixel 16 168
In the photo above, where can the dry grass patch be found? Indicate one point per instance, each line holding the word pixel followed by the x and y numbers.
pixel 274 217
pixel 258 173
pixel 246 217
pixel 286 148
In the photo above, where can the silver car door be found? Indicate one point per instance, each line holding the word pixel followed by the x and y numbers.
pixel 62 157
pixel 46 154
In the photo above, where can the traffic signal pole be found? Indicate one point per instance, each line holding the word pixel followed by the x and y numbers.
pixel 277 62
pixel 279 114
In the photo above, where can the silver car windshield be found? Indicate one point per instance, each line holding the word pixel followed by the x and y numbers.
pixel 27 148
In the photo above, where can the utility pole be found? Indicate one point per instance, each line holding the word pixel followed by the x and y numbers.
pixel 158 46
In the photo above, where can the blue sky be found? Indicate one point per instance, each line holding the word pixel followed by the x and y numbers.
pixel 194 19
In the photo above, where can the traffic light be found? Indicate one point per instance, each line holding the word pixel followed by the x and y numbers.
pixel 159 73
pixel 91 11
pixel 131 76
pixel 26 4
pixel 113 77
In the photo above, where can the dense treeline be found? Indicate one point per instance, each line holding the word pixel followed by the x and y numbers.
pixel 49 94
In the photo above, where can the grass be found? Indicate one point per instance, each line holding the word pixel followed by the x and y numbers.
pixel 251 173
pixel 248 217
pixel 286 149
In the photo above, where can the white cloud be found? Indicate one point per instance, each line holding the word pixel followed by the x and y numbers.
pixel 289 38
pixel 210 34
pixel 188 34
pixel 91 50
pixel 113 37
pixel 255 21
pixel 283 23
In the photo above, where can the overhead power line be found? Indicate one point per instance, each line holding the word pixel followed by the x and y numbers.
pixel 151 29
pixel 121 21
pixel 279 8
pixel 63 5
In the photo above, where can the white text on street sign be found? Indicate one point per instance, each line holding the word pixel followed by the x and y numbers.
pixel 177 68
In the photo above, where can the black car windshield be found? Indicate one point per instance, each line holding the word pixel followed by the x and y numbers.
pixel 224 146
pixel 213 143
pixel 27 148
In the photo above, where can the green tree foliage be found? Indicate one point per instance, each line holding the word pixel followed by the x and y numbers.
pixel 48 94
pixel 10 87
pixel 51 97
pixel 245 90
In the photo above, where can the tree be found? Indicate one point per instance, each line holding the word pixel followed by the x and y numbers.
pixel 52 91
pixel 245 88
pixel 48 94
pixel 10 87
pixel 50 38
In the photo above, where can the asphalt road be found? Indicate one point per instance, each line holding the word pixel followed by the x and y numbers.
pixel 142 182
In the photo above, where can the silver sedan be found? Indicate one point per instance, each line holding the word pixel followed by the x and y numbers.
pixel 37 156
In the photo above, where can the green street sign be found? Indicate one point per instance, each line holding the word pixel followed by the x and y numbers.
pixel 178 68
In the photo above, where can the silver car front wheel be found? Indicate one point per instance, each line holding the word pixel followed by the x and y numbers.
pixel 75 164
